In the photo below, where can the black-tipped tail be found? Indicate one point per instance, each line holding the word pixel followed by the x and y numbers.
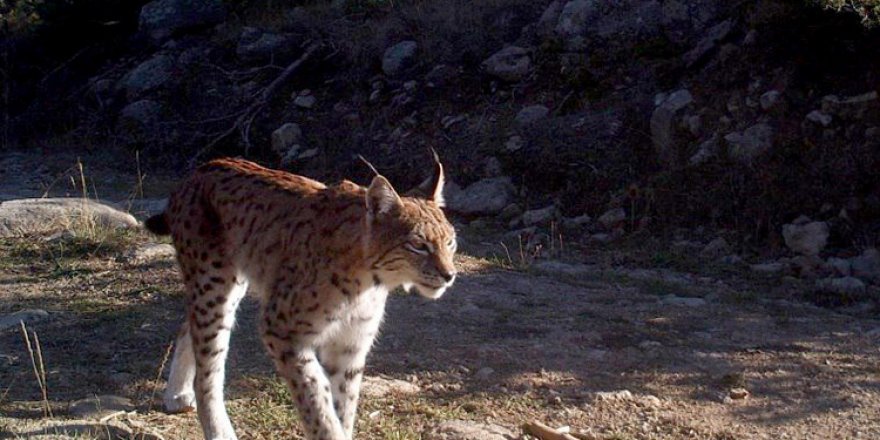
pixel 158 225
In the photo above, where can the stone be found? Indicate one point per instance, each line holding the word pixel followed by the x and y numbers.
pixel 706 151
pixel 514 143
pixel 150 251
pixel 767 268
pixel 147 76
pixel 614 396
pixel 716 248
pixel 663 124
pixel 399 57
pixel 487 196
pixel 510 212
pixel 806 238
pixel 770 99
pixel 380 387
pixel 839 266
pixel 541 216
pixel 100 406
pixel 531 114
pixel 580 221
pixel 28 216
pixel 820 118
pixel 440 76
pixel 844 286
pixel 738 393
pixel 849 108
pixel 510 64
pixel 747 145
pixel 305 101
pixel 161 18
pixel 257 45
pixel 143 208
pixel 674 300
pixel 28 316
pixel 867 265
pixel 612 218
pixel 574 18
pixel 468 430
pixel 549 19
pixel 285 137
pixel 715 35
pixel 143 113
pixel 484 373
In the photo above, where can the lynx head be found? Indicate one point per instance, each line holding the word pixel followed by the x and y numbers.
pixel 411 241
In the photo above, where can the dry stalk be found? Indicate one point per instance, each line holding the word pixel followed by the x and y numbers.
pixel 41 378
pixel 159 374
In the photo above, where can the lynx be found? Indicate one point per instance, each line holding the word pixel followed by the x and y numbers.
pixel 321 259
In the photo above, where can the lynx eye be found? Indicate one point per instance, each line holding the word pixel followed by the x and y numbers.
pixel 451 244
pixel 418 247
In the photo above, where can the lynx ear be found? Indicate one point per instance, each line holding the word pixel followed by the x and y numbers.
pixel 381 198
pixel 432 187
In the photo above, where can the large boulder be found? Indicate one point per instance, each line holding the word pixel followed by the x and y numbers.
pixel 663 125
pixel 806 237
pixel 26 216
pixel 510 64
pixel 612 21
pixel 399 57
pixel 867 265
pixel 160 19
pixel 147 76
pixel 468 430
pixel 257 45
pixel 487 196
pixel 747 145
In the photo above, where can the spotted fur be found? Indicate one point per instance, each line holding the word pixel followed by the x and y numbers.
pixel 320 258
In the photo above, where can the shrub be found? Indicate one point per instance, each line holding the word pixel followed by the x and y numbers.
pixel 869 10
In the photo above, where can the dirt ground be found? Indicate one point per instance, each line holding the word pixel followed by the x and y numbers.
pixel 611 352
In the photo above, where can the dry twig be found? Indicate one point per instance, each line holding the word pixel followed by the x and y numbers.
pixel 545 432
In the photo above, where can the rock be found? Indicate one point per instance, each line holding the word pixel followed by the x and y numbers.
pixel 767 268
pixel 380 387
pixel 28 316
pixel 614 23
pixel 580 221
pixel 147 76
pixel 440 75
pixel 549 19
pixel 731 259
pixel 70 429
pixel 738 393
pixel 150 251
pixel 839 266
pixel 806 238
pixel 614 396
pixel 305 101
pixel 602 238
pixel 531 114
pixel 541 216
pixel 845 286
pixel 818 117
pixel 510 64
pixel 143 113
pixel 706 151
pixel 487 196
pixel 673 300
pixel 575 17
pixel 612 218
pixel 694 124
pixel 143 208
pixel 768 100
pixel 806 266
pixel 100 406
pixel 716 248
pixel 468 430
pixel 662 125
pixel 867 265
pixel 284 138
pixel 161 18
pixel 257 45
pixel 26 216
pixel 715 34
pixel 399 57
pixel 853 107
pixel 510 212
pixel 754 141
pixel 514 143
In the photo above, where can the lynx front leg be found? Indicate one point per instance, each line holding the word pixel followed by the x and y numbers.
pixel 179 395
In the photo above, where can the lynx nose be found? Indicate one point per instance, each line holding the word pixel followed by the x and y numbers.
pixel 448 276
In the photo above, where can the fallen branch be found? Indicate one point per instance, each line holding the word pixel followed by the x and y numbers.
pixel 245 117
pixel 545 432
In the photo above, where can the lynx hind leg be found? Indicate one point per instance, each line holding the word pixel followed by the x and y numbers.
pixel 179 395
pixel 214 297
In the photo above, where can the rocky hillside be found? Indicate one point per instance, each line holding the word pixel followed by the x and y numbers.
pixel 647 113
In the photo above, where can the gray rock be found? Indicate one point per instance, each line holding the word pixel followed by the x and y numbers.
pixel 143 113
pixel 150 251
pixel 580 221
pixel 468 430
pixel 161 18
pixel 770 99
pixel 867 265
pixel 284 138
pixel 839 266
pixel 100 406
pixel 257 45
pixel 147 76
pixel 715 34
pixel 574 18
pixel 305 101
pixel 29 316
pixel 754 141
pixel 706 151
pixel 612 218
pixel 614 23
pixel 27 216
pixel 541 216
pixel 143 208
pixel 846 286
pixel 514 143
pixel 768 268
pixel 531 114
pixel 673 300
pixel 716 248
pixel 853 107
pixel 399 57
pixel 440 75
pixel 510 64
pixel 806 238
pixel 380 387
pixel 663 124
pixel 549 19
pixel 487 196
pixel 820 118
